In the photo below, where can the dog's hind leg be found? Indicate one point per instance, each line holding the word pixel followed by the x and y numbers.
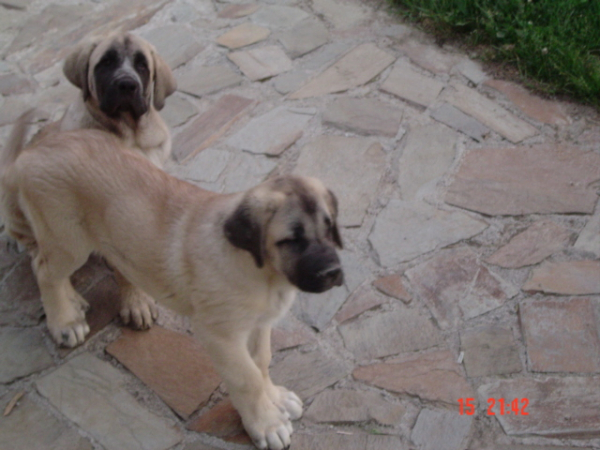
pixel 64 307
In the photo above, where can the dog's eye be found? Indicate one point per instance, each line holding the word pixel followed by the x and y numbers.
pixel 140 63
pixel 328 223
pixel 109 59
pixel 297 244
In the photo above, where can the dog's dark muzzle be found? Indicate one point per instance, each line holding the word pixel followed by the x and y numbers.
pixel 124 94
pixel 318 270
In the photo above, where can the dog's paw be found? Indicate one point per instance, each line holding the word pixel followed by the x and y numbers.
pixel 138 309
pixel 70 334
pixel 270 429
pixel 287 401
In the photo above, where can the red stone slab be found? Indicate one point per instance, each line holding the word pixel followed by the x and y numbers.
pixel 222 421
pixel 173 365
pixel 566 277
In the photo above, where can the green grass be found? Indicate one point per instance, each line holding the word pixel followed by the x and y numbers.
pixel 554 42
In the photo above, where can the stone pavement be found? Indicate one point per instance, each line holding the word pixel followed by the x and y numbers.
pixel 470 217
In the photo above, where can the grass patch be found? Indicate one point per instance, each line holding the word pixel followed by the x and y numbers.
pixel 555 42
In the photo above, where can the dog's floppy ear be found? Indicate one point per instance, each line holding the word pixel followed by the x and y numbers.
pixel 77 65
pixel 333 203
pixel 246 228
pixel 164 81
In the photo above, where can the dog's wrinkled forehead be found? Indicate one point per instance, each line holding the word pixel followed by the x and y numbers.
pixel 306 195
pixel 121 47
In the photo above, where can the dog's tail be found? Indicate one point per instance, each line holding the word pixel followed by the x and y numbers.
pixel 16 140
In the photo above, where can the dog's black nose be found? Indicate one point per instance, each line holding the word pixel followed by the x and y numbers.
pixel 127 86
pixel 334 275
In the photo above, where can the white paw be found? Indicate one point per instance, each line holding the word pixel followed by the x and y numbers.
pixel 139 309
pixel 69 334
pixel 271 430
pixel 287 401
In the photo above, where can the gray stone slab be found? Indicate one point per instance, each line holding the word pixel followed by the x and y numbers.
pixel 305 37
pixel 441 429
pixel 271 133
pixel 242 35
pixel 346 405
pixel 309 373
pixel 359 66
pixel 363 116
pixel 30 427
pixel 206 80
pixel 455 118
pixel 92 394
pixel 261 63
pixel 408 84
pixel 246 170
pixel 206 166
pixel 394 332
pixel 559 407
pixel 347 441
pixel 350 166
pixel 405 230
pixel 490 113
pixel 428 154
pixel 178 110
pixel 23 353
pixel 489 351
pixel 342 14
pixel 175 43
pixel 278 17
pixel 589 238
pixel 472 71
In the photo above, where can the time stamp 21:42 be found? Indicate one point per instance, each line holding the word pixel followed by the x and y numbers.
pixel 515 407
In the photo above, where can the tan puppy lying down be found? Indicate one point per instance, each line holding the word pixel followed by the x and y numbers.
pixel 233 262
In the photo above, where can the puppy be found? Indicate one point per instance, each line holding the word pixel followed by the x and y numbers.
pixel 232 262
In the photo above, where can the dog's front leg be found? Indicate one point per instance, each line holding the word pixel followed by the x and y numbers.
pixel 137 308
pixel 260 349
pixel 268 426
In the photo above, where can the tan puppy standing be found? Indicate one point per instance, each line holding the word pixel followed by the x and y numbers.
pixel 232 262
pixel 124 83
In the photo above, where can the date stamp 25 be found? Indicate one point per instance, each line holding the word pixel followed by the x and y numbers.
pixel 516 406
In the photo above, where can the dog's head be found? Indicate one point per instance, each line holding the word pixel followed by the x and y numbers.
pixel 290 223
pixel 122 74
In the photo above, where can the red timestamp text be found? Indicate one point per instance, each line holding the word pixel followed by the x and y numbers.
pixel 515 407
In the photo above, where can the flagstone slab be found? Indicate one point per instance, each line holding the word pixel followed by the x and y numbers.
pixel 490 351
pixel 355 440
pixel 279 17
pixel 532 246
pixel 20 303
pixel 307 374
pixel 410 85
pixel 404 230
pixel 561 407
pixel 472 71
pixel 173 365
pixel 23 353
pixel 346 405
pixel 209 126
pixel 178 110
pixel 175 43
pixel 561 336
pixel 91 393
pixel 246 170
pixel 490 113
pixel 540 179
pixel 205 80
pixel 359 66
pixel 456 119
pixel 305 37
pixel 238 11
pixel 12 83
pixel 566 277
pixel 433 376
pixel 242 35
pixel 535 107
pixel 363 116
pixel 289 332
pixel 441 429
pixel 341 14
pixel 393 285
pixel 272 133
pixel 261 63
pixel 427 155
pixel 351 167
pixel 429 57
pixel 363 299
pixel 589 238
pixel 456 286
pixel 394 332
pixel 222 421
pixel 29 426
